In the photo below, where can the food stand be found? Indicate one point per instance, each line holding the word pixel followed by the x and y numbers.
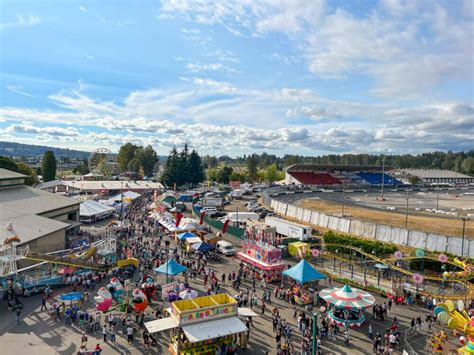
pixel 304 274
pixel 347 305
pixel 203 325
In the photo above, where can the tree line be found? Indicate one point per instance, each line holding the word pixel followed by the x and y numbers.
pixel 141 161
pixel 183 168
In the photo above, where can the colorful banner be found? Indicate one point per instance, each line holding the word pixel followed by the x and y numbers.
pixel 224 228
pixel 179 216
pixel 202 218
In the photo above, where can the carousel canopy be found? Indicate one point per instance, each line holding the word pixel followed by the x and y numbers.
pixel 171 267
pixel 347 298
pixel 303 272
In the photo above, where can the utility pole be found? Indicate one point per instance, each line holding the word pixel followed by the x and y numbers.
pixel 343 199
pixel 406 215
pixel 383 177
pixel 463 219
pixel 437 198
pixel 315 333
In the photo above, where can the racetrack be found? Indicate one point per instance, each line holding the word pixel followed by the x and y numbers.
pixel 368 206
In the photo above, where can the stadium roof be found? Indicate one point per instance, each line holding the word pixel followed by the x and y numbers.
pixel 326 167
pixel 28 200
pixel 8 174
pixel 435 173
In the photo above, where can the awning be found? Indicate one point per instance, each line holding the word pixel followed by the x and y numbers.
pixel 159 325
pixel 215 329
pixel 246 312
pixel 193 240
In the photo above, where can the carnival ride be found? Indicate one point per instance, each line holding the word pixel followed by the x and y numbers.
pixel 456 317
pixel 346 305
pixel 461 277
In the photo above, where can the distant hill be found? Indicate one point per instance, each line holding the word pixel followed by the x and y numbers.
pixel 27 150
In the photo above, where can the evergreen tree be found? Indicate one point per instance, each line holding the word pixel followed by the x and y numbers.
pixel 252 162
pixel 183 167
pixel 223 176
pixel 196 170
pixel 48 167
pixel 170 173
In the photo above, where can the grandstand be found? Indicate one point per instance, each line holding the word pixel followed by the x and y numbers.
pixel 331 175
pixel 376 179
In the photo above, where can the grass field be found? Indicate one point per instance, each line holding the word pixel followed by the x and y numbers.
pixel 435 225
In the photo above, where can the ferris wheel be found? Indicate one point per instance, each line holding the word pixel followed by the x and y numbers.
pixel 101 161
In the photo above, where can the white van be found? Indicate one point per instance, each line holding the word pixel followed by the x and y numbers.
pixel 225 248
pixel 208 210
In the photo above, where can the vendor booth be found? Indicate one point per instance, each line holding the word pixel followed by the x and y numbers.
pixel 203 325
pixel 346 305
pixel 171 267
pixel 305 275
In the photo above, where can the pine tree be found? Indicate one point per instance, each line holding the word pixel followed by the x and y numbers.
pixel 149 160
pixel 196 171
pixel 169 176
pixel 252 163
pixel 48 167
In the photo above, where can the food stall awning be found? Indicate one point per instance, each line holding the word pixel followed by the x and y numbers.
pixel 159 325
pixel 246 312
pixel 260 264
pixel 214 329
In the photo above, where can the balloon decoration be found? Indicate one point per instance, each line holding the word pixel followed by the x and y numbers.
pixel 315 253
pixel 139 300
pixel 419 253
pixel 417 278
pixel 442 258
pixel 149 288
pixel 398 255
pixel 103 300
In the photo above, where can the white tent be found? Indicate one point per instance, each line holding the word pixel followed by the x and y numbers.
pixel 91 210
pixel 130 195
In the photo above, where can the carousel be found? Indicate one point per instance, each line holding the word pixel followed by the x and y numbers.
pixel 346 306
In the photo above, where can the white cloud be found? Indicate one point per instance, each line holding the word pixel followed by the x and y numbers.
pixel 82 8
pixel 199 67
pixel 21 21
pixel 18 90
pixel 51 131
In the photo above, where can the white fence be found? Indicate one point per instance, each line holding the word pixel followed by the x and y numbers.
pixel 383 233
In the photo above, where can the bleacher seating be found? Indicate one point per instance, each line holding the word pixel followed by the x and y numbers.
pixel 376 179
pixel 310 178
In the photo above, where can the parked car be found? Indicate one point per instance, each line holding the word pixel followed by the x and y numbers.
pixel 216 214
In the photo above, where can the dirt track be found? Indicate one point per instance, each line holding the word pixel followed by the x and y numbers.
pixel 435 225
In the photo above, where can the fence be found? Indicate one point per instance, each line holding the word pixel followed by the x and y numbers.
pixel 233 231
pixel 383 233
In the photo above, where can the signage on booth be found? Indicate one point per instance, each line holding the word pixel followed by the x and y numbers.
pixel 208 313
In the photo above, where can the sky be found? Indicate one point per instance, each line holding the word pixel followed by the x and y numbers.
pixel 306 77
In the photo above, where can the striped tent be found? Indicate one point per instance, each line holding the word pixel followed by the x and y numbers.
pixel 347 298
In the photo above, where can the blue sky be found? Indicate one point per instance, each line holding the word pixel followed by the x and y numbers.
pixel 283 76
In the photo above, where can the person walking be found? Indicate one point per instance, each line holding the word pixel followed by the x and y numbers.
pixel 113 332
pixel 18 313
pixel 104 332
pixel 371 331
pixel 43 303
pixel 346 337
pixel 129 334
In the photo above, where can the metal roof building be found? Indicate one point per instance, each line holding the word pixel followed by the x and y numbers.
pixel 437 176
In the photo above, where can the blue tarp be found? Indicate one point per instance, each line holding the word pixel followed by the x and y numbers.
pixel 303 272
pixel 72 296
pixel 185 235
pixel 171 268
pixel 202 246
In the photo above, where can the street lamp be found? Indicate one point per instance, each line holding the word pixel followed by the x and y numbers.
pixel 383 177
pixel 315 333
pixel 406 214
pixel 343 198
pixel 463 219
pixel 167 244
pixel 437 198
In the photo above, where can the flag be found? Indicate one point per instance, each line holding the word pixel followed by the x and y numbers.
pixel 202 218
pixel 226 223
pixel 178 218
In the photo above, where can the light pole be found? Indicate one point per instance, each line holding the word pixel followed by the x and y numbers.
pixel 315 333
pixel 343 199
pixel 167 244
pixel 406 214
pixel 463 219
pixel 383 177
pixel 437 198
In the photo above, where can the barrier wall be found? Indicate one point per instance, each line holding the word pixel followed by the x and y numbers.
pixel 383 233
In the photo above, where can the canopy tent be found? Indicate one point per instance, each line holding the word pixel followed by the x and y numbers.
pixel 90 209
pixel 193 240
pixel 214 329
pixel 303 272
pixel 159 325
pixel 126 196
pixel 171 267
pixel 246 312
pixel 347 298
pixel 202 246
pixel 167 220
pixel 185 235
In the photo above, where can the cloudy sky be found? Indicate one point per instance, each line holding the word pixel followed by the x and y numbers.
pixel 232 77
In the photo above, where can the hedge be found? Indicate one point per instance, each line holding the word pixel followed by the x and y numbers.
pixel 369 246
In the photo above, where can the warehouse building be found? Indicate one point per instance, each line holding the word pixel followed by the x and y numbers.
pixel 38 218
